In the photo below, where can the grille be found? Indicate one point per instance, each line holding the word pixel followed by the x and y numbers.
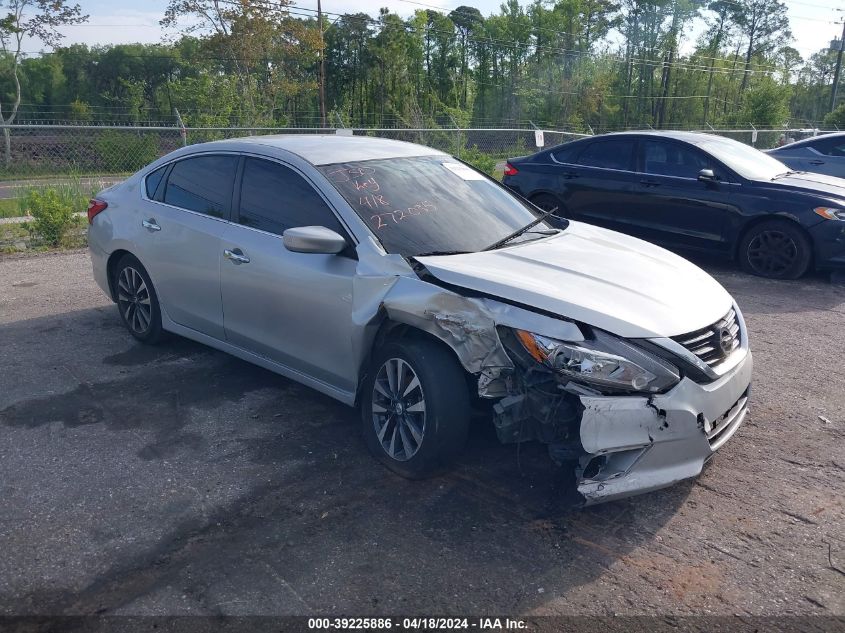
pixel 721 430
pixel 714 343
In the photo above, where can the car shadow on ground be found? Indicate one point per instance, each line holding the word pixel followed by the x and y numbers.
pixel 318 512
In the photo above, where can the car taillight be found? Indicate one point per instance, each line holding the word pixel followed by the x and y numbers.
pixel 510 170
pixel 94 207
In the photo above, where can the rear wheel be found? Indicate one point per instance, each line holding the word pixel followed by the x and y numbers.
pixel 415 407
pixel 137 301
pixel 777 249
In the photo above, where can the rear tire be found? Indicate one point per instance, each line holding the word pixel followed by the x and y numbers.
pixel 777 249
pixel 415 407
pixel 137 301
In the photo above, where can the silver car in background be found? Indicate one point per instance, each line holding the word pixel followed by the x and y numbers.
pixel 395 278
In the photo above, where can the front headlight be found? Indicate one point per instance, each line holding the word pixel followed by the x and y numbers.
pixel 604 362
pixel 830 213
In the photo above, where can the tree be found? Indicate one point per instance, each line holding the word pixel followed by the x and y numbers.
pixel 35 19
pixel 241 31
pixel 765 24
pixel 765 105
pixel 468 20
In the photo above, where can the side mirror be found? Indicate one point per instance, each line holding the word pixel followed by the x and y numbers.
pixel 313 239
pixel 707 175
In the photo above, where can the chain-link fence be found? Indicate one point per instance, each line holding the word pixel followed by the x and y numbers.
pixel 85 151
pixel 32 154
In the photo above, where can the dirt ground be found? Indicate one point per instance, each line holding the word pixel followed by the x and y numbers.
pixel 178 480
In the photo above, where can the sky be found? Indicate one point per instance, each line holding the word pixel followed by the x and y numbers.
pixel 125 21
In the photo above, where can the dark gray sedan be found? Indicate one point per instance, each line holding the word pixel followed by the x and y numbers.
pixel 823 154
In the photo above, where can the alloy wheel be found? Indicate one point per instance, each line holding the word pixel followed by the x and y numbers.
pixel 133 298
pixel 772 253
pixel 398 409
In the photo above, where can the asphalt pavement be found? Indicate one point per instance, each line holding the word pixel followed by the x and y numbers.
pixel 178 480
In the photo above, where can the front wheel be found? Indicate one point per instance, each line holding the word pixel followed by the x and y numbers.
pixel 415 407
pixel 776 249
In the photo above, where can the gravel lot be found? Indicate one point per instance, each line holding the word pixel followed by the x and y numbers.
pixel 177 480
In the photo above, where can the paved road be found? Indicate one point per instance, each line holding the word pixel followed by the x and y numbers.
pixel 175 479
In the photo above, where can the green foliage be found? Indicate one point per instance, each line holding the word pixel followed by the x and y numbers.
pixel 80 111
pixel 766 104
pixel 556 63
pixel 479 160
pixel 53 213
pixel 837 117
pixel 126 151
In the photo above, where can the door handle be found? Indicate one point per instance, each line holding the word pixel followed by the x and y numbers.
pixel 817 162
pixel 649 183
pixel 151 225
pixel 236 256
pixel 569 175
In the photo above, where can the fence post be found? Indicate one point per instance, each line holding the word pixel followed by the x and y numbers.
pixel 182 130
pixel 458 141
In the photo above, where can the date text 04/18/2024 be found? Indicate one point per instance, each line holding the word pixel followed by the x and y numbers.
pixel 417 623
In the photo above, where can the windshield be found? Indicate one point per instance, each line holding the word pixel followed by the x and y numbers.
pixel 745 160
pixel 430 204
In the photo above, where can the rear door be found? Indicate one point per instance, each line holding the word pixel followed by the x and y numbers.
pixel 186 219
pixel 597 184
pixel 672 206
pixel 293 308
pixel 826 156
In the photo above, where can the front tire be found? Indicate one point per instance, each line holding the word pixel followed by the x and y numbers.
pixel 137 301
pixel 776 249
pixel 415 407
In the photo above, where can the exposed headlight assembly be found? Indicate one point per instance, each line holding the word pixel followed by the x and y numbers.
pixel 830 213
pixel 604 363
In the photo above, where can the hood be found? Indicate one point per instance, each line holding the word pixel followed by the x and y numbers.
pixel 605 279
pixel 811 182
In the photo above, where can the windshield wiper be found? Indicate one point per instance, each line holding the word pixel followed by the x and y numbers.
pixel 519 232
pixel 436 253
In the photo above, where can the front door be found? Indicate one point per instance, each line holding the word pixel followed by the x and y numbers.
pixel 292 308
pixel 672 207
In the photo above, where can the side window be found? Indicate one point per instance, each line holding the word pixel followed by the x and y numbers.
pixel 202 184
pixel 565 153
pixel 275 198
pixel 152 180
pixel 671 159
pixel 610 154
pixel 830 146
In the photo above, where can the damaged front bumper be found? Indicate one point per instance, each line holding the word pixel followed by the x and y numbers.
pixel 636 444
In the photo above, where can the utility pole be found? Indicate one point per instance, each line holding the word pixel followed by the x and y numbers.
pixel 322 71
pixel 838 69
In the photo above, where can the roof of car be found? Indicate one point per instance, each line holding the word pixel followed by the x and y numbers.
pixel 690 137
pixel 327 149
pixel 812 139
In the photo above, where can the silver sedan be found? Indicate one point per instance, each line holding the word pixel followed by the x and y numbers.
pixel 398 279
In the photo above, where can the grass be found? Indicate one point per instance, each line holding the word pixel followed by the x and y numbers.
pixel 11 233
pixel 10 208
pixel 72 189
